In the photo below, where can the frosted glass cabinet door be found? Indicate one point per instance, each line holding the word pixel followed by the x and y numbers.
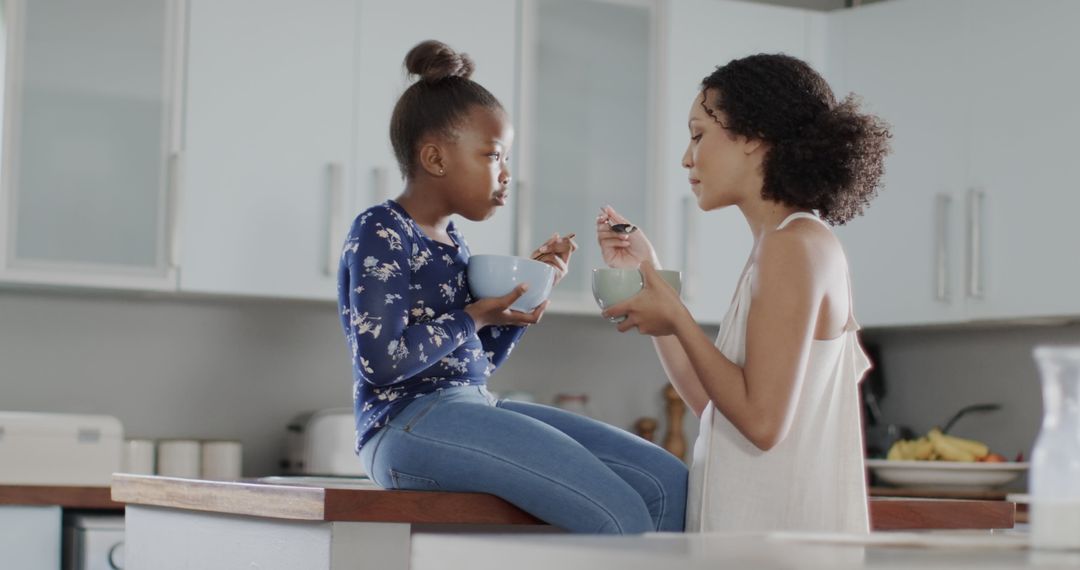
pixel 88 135
pixel 587 95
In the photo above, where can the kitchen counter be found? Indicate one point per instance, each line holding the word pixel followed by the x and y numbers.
pixel 298 523
pixel 65 497
pixel 923 550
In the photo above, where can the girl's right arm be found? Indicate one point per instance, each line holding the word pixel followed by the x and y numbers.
pixel 628 251
pixel 386 349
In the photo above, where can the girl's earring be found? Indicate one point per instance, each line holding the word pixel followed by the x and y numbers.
pixel 441 172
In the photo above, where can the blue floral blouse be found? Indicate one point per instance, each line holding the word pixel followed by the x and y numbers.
pixel 402 298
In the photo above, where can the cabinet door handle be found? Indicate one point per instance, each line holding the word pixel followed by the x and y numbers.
pixel 174 204
pixel 378 180
pixel 522 224
pixel 943 204
pixel 334 235
pixel 976 197
pixel 689 249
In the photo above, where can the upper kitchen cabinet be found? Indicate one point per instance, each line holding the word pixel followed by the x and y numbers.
pixel 486 30
pixel 972 223
pixel 711 248
pixel 1023 195
pixel 90 120
pixel 904 254
pixel 587 127
pixel 268 151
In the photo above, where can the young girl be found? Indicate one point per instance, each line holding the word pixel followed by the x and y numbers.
pixel 780 445
pixel 423 349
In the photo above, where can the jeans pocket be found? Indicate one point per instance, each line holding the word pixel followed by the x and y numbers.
pixel 405 481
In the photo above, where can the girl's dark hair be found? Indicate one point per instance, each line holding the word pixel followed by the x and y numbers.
pixel 823 155
pixel 437 102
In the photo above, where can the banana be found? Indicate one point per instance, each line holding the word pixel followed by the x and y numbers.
pixel 923 449
pixel 947 449
pixel 977 448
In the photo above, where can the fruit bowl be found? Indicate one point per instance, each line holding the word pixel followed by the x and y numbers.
pixel 946 474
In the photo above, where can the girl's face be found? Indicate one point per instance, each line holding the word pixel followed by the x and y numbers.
pixel 477 164
pixel 719 162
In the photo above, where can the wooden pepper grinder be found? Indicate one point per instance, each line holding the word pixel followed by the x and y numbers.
pixel 674 440
pixel 646 428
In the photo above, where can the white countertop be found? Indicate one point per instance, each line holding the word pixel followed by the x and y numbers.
pixel 921 550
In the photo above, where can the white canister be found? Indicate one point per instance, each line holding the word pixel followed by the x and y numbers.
pixel 139 456
pixel 179 458
pixel 222 460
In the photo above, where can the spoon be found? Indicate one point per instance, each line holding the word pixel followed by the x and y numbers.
pixel 622 228
pixel 568 236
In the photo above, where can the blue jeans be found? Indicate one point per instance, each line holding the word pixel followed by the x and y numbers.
pixel 568 470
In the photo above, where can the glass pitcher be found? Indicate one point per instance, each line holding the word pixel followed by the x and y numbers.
pixel 1055 460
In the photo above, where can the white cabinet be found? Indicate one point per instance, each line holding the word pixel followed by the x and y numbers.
pixel 1023 122
pixel 711 248
pixel 288 117
pixel 268 153
pixel 89 129
pixel 904 254
pixel 484 29
pixel 30 536
pixel 974 218
pixel 586 139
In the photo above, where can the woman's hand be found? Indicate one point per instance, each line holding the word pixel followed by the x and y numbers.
pixel 556 252
pixel 625 251
pixel 656 310
pixel 496 310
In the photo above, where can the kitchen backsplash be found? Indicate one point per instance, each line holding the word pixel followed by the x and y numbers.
pixel 241 369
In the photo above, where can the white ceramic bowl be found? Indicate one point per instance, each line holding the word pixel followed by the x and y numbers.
pixel 497 275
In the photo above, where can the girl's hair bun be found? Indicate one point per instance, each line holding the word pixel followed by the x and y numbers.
pixel 434 61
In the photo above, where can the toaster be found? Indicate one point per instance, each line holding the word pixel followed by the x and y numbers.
pixel 59 449
pixel 322 443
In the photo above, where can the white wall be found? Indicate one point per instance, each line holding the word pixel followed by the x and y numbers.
pixel 241 369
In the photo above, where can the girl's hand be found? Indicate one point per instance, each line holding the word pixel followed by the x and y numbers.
pixel 655 310
pixel 496 310
pixel 622 250
pixel 556 252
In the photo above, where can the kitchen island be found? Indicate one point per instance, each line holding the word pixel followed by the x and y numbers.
pixel 184 523
pixel 925 550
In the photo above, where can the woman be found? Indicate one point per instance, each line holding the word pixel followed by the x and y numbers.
pixel 423 348
pixel 780 445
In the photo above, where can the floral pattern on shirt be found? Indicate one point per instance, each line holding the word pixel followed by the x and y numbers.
pixel 402 298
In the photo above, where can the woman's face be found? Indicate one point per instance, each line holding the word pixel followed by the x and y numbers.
pixel 477 164
pixel 717 160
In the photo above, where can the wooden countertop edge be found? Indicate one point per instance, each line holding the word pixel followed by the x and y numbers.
pixel 911 514
pixel 432 507
pixel 317 503
pixel 241 498
pixel 71 497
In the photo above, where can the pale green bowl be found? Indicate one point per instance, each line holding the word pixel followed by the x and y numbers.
pixel 612 286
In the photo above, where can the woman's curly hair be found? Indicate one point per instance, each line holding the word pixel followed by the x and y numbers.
pixel 823 155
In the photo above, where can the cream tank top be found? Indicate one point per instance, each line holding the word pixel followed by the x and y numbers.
pixel 814 479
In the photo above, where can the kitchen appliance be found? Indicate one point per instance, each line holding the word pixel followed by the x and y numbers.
pixel 322 443
pixel 59 449
pixel 94 542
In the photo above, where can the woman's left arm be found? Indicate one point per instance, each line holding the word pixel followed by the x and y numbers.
pixel 759 397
